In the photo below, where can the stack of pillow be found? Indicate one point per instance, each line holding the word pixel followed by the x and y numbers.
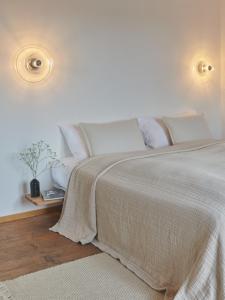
pixel 85 140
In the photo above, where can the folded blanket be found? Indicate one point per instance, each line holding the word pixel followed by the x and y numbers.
pixel 161 212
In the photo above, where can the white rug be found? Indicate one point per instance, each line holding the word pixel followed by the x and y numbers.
pixel 97 277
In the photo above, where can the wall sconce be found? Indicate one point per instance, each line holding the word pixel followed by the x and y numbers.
pixel 34 64
pixel 204 68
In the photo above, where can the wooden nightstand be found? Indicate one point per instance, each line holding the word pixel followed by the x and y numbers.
pixel 39 201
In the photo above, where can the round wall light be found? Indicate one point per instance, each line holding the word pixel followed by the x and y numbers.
pixel 34 64
pixel 204 68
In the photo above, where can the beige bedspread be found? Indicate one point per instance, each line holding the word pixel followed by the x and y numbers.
pixel 162 212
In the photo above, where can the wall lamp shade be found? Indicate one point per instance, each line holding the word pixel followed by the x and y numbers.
pixel 34 64
pixel 204 68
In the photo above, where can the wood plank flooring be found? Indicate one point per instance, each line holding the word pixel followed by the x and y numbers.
pixel 27 246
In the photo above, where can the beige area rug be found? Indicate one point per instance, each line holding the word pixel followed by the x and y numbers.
pixel 97 277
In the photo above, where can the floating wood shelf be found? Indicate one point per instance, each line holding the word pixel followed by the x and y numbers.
pixel 39 201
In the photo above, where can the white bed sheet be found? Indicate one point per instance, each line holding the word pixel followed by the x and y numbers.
pixel 61 174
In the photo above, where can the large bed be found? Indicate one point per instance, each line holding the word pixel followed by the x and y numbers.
pixel 161 212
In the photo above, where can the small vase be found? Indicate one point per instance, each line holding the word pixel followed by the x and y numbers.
pixel 35 188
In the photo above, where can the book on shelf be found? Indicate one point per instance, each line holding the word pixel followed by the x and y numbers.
pixel 54 194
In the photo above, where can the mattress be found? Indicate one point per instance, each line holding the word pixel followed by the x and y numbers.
pixel 61 174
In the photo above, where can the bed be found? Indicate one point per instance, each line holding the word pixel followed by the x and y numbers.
pixel 161 212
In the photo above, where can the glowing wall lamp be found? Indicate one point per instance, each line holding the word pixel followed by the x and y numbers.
pixel 204 68
pixel 34 64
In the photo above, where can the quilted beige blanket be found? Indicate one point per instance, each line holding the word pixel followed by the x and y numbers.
pixel 161 212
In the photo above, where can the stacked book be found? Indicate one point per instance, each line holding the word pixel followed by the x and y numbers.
pixel 54 194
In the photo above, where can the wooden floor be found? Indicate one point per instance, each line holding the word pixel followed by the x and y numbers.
pixel 27 246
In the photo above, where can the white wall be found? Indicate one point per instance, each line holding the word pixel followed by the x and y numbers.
pixel 113 59
pixel 222 26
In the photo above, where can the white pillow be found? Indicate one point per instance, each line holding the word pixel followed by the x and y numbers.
pixel 74 140
pixel 61 172
pixel 115 137
pixel 155 135
pixel 189 128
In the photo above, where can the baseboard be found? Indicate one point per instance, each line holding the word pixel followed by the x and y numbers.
pixel 30 214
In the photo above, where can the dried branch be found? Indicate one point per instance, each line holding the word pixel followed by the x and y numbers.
pixel 38 158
